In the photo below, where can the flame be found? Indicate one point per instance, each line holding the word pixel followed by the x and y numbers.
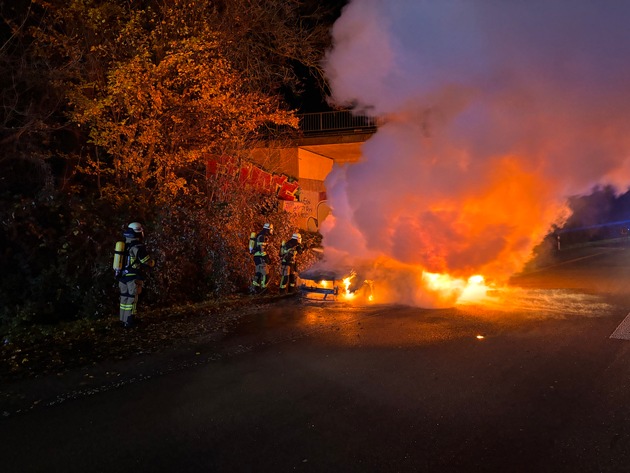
pixel 474 289
pixel 480 147
pixel 435 289
pixel 346 284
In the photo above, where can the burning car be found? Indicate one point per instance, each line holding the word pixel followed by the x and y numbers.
pixel 334 283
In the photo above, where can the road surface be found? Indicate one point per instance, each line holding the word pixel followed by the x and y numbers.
pixel 537 383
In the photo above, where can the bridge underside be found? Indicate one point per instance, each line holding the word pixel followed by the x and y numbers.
pixel 340 148
pixel 309 161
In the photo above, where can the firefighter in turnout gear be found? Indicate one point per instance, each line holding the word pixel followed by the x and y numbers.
pixel 136 263
pixel 261 259
pixel 288 253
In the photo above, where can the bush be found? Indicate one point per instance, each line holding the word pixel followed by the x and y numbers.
pixel 200 246
pixel 58 249
pixel 54 254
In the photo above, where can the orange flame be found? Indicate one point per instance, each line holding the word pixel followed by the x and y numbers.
pixel 346 284
pixel 435 289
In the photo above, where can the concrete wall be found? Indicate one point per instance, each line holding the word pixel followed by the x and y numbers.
pixel 310 169
pixel 313 166
pixel 277 160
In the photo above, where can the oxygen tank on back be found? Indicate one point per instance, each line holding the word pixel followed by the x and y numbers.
pixel 119 256
pixel 252 242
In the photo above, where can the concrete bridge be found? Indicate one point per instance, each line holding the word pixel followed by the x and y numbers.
pixel 325 139
pixel 336 135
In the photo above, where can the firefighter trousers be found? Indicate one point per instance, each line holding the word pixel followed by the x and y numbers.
pixel 261 277
pixel 129 292
pixel 289 277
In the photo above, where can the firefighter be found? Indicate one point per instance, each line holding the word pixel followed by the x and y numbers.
pixel 136 263
pixel 288 253
pixel 261 259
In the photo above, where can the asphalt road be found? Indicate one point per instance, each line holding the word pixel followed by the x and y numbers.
pixel 534 383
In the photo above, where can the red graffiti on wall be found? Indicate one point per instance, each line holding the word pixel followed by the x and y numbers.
pixel 249 174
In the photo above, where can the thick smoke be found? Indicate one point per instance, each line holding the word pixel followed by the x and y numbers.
pixel 495 112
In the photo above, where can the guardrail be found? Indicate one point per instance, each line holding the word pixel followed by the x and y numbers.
pixel 340 122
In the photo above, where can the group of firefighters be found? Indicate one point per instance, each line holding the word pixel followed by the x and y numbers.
pixel 288 254
pixel 132 261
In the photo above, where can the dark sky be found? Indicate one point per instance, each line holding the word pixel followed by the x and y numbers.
pixel 313 98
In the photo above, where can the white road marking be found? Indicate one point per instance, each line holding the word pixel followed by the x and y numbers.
pixel 622 331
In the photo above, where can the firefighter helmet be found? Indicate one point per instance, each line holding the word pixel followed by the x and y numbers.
pixel 136 227
pixel 298 237
pixel 268 226
pixel 129 233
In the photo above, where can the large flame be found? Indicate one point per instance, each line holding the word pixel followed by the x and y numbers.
pixel 488 129
pixel 392 282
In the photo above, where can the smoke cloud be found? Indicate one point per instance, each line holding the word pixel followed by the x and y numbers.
pixel 495 112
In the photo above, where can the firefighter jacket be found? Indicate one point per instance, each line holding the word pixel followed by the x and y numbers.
pixel 137 261
pixel 262 240
pixel 289 251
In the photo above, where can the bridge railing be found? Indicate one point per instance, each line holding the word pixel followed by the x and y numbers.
pixel 338 122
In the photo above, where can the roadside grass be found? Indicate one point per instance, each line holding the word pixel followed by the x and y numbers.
pixel 39 350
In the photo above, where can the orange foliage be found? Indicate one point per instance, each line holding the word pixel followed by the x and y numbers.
pixel 159 87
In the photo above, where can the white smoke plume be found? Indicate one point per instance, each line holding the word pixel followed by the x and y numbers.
pixel 495 111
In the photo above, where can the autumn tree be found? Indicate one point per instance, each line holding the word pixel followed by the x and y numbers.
pixel 30 120
pixel 159 86
pixel 132 96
